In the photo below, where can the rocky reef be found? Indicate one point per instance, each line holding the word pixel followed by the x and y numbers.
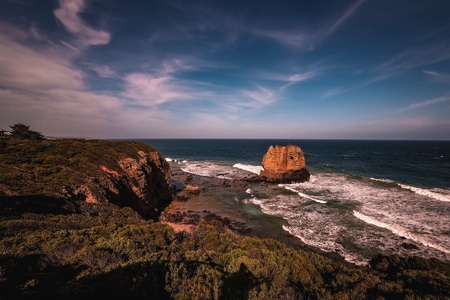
pixel 283 164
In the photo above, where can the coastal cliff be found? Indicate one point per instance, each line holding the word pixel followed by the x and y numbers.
pixel 70 172
pixel 72 227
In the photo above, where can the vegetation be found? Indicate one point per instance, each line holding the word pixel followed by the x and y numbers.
pixel 43 167
pixel 116 253
pixel 102 250
pixel 23 132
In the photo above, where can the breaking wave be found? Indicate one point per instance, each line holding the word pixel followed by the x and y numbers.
pixel 437 194
pixel 398 230
pixel 249 168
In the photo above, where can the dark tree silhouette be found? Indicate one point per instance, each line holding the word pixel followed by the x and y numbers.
pixel 22 131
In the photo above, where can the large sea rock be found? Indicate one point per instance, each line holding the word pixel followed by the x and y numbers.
pixel 283 164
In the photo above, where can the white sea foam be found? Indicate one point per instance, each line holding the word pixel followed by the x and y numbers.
pixel 403 211
pixel 309 197
pixel 212 169
pixel 249 168
pixel 438 194
pixel 303 195
pixel 382 180
pixel 398 230
pixel 427 193
pixel 329 247
pixel 206 169
pixel 336 228
pixel 173 160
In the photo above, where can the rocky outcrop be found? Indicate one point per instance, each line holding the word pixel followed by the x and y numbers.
pixel 81 174
pixel 283 164
pixel 142 184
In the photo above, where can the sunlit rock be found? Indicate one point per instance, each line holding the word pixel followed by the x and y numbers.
pixel 283 164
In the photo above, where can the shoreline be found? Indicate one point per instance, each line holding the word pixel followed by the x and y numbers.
pixel 187 209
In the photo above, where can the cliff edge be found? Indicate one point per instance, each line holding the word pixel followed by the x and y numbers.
pixel 69 173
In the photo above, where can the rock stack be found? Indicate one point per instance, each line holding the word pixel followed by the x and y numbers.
pixel 283 164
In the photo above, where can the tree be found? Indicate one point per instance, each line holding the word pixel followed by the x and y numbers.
pixel 22 131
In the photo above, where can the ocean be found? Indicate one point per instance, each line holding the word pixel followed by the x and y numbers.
pixel 364 197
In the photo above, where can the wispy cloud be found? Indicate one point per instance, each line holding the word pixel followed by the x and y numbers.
pixel 299 77
pixel 161 83
pixel 413 58
pixel 103 71
pixel 146 90
pixel 303 39
pixel 440 77
pixel 24 69
pixel 68 15
pixel 334 92
pixel 69 45
pixel 341 90
pixel 263 96
pixel 342 19
pixel 37 34
pixel 195 66
pixel 425 103
pixel 46 88
pixel 42 88
pixel 290 38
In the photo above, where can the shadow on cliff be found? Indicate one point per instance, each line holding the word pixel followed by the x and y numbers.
pixel 157 196
pixel 137 281
pixel 17 205
pixel 148 198
pixel 237 285
pixel 150 280
pixel 145 280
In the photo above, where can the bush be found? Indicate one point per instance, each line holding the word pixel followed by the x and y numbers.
pixel 23 132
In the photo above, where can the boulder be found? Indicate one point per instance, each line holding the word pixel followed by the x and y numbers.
pixel 192 189
pixel 283 164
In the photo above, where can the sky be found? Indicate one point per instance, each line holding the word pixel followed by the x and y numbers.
pixel 349 69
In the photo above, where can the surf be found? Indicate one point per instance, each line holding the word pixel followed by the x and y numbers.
pixel 398 230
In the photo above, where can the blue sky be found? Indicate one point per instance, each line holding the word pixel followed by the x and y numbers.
pixel 361 69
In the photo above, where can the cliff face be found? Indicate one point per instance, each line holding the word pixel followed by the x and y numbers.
pixel 142 184
pixel 123 173
pixel 283 164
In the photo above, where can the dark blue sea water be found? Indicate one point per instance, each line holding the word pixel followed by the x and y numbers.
pixel 364 197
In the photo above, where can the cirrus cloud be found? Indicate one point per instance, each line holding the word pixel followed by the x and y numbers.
pixel 68 15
